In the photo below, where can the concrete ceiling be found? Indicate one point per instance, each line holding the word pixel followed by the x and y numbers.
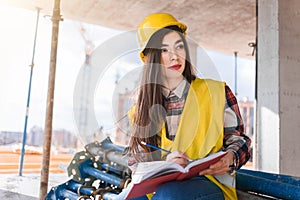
pixel 221 25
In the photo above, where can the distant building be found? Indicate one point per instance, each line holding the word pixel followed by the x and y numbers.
pixel 10 137
pixel 247 112
pixel 60 138
pixel 63 138
pixel 36 136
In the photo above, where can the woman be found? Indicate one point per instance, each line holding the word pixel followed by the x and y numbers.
pixel 188 116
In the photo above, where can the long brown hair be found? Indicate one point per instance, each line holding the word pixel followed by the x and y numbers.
pixel 150 111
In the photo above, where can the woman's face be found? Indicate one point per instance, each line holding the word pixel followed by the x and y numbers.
pixel 173 57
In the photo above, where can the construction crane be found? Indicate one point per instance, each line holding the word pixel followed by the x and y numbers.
pixel 85 89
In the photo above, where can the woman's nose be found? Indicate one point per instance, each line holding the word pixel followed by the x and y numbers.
pixel 173 55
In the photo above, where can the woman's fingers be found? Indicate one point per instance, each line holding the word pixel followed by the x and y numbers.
pixel 178 157
pixel 221 167
pixel 216 169
pixel 180 160
pixel 176 154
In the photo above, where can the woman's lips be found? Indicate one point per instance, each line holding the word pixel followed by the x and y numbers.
pixel 175 67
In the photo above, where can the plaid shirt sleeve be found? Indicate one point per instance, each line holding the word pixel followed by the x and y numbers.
pixel 234 138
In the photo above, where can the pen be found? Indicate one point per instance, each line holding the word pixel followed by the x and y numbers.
pixel 154 147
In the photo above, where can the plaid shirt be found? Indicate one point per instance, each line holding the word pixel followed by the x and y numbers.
pixel 174 103
pixel 234 138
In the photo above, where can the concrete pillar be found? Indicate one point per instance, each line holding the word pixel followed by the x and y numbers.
pixel 278 87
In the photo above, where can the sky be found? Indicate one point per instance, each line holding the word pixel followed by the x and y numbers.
pixel 16 50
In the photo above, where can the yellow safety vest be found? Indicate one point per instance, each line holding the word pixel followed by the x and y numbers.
pixel 201 128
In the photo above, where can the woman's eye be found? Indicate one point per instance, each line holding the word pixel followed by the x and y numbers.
pixel 163 50
pixel 180 46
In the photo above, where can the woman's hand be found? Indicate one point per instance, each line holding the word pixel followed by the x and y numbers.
pixel 221 167
pixel 178 157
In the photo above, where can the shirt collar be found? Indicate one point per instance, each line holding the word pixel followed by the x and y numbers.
pixel 178 91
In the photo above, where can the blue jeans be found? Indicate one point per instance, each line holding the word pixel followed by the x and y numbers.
pixel 193 189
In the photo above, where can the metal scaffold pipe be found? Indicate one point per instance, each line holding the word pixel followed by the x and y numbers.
pixel 56 17
pixel 235 73
pixel 28 97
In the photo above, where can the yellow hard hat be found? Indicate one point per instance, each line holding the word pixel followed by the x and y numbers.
pixel 153 23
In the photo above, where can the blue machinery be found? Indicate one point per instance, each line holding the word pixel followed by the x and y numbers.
pixel 101 172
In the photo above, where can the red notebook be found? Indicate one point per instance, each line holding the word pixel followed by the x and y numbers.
pixel 150 175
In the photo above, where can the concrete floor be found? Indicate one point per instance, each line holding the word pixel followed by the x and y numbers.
pixel 4 194
pixel 26 187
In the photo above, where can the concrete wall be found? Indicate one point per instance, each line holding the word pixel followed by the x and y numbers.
pixel 289 40
pixel 278 100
